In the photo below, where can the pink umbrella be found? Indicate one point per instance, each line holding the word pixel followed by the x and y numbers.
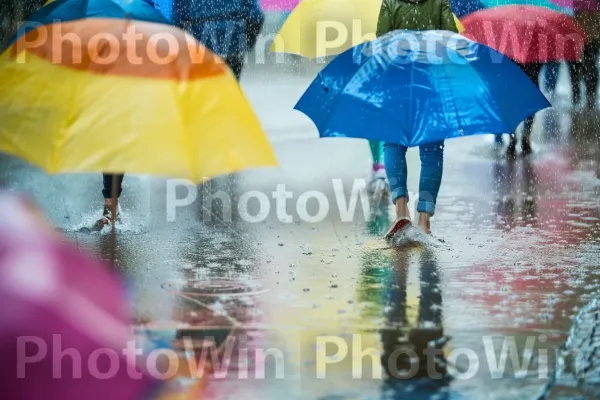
pixel 579 5
pixel 279 5
pixel 64 321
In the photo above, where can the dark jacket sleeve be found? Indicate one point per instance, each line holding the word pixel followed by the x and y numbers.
pixel 385 21
pixel 448 23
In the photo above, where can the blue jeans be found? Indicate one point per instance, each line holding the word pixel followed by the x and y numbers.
pixel 432 166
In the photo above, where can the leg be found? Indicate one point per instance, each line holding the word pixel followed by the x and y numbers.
pixel 590 72
pixel 432 167
pixel 108 186
pixel 111 182
pixel 533 72
pixel 376 153
pixel 551 75
pixel 511 150
pixel 575 74
pixel 378 186
pixel 396 169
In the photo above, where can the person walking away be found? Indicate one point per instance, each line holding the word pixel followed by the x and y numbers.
pixel 532 70
pixel 551 75
pixel 414 15
pixel 228 28
pixel 587 68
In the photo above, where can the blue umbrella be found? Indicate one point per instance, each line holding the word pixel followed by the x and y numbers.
pixel 460 8
pixel 416 87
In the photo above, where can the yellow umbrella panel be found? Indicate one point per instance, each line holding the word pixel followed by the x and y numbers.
pixel 163 105
pixel 321 28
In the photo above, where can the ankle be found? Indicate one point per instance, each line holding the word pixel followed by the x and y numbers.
pixel 425 222
pixel 402 208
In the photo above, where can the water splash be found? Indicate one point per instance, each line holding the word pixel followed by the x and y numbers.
pixel 126 224
pixel 415 236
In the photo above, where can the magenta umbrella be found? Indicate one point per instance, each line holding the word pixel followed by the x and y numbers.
pixel 54 299
pixel 578 5
pixel 279 5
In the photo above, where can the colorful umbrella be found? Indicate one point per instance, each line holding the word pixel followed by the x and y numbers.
pixel 122 95
pixel 527 34
pixel 159 104
pixel 403 89
pixel 464 7
pixel 307 29
pixel 50 291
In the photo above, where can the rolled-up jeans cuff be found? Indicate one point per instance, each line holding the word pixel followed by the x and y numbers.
pixel 426 207
pixel 397 193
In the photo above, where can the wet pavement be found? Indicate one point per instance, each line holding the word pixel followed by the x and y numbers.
pixel 315 304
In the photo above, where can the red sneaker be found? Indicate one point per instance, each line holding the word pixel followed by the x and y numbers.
pixel 399 225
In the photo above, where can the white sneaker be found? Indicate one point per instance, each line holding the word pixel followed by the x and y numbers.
pixel 401 224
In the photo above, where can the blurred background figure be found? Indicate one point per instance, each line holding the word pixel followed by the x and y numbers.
pixel 60 305
pixel 228 28
pixel 378 186
pixel 551 73
pixel 586 14
pixel 12 13
pixel 532 70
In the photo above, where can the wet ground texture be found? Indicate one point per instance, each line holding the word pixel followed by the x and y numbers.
pixel 317 306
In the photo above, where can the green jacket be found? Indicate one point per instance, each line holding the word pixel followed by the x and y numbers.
pixel 417 15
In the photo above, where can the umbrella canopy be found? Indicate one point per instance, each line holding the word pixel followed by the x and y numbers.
pixel 538 3
pixel 321 28
pixel 527 34
pixel 278 5
pixel 402 89
pixel 49 289
pixel 464 7
pixel 123 95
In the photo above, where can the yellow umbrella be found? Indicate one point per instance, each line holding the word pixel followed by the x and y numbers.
pixel 320 28
pixel 117 110
pixel 111 95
